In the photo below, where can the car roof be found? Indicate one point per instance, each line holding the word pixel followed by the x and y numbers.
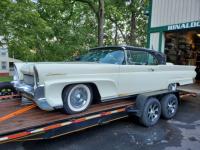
pixel 124 47
pixel 160 56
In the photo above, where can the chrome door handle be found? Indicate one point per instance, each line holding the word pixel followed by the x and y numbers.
pixel 151 69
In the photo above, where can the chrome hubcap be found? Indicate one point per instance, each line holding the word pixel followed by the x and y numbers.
pixel 153 112
pixel 171 107
pixel 78 97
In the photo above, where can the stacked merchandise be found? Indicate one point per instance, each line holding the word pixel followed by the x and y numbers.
pixel 178 51
pixel 187 53
pixel 170 48
pixel 198 66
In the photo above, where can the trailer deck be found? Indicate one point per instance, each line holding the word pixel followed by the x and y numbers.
pixel 191 88
pixel 17 121
pixel 28 122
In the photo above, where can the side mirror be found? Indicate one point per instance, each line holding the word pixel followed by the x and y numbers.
pixel 77 58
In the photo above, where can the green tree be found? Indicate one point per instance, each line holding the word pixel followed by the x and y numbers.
pixel 58 30
pixel 129 21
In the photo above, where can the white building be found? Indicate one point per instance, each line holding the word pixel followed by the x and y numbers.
pixel 174 29
pixel 6 63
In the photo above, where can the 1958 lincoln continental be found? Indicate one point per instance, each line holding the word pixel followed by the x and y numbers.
pixel 105 73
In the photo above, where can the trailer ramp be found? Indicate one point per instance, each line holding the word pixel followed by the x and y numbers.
pixel 190 88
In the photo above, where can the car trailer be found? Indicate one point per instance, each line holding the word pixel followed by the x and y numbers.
pixel 27 122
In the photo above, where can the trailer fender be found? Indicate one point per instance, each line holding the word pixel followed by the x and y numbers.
pixel 137 109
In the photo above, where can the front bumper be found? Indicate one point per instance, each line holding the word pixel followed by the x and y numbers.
pixel 36 94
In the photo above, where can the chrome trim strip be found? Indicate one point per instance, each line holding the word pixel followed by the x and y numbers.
pixel 118 98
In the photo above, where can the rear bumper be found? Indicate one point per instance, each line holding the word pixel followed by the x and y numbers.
pixel 36 94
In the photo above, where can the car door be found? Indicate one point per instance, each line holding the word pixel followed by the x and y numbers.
pixel 140 74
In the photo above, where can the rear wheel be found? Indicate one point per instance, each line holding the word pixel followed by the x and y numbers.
pixel 77 98
pixel 151 112
pixel 169 104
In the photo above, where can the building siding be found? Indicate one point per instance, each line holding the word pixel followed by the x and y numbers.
pixel 154 41
pixel 166 12
pixel 3 59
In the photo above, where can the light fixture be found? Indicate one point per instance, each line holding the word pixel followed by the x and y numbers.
pixel 198 34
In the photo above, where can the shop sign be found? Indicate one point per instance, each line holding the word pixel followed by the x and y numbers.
pixel 187 25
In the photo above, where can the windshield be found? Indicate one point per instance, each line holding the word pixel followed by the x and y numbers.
pixel 104 56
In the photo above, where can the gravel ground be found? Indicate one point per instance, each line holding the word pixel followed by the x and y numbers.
pixel 180 133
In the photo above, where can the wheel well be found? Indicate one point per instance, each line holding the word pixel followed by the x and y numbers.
pixel 96 94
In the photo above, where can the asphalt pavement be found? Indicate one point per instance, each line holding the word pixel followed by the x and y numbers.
pixel 180 133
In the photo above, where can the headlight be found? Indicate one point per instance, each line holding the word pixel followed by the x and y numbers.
pixel 36 76
pixel 15 74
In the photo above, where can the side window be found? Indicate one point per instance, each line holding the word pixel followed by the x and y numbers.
pixel 113 57
pixel 137 57
pixel 152 60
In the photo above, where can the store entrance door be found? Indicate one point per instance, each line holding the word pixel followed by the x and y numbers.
pixel 183 48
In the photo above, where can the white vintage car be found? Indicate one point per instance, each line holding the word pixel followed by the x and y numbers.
pixel 105 73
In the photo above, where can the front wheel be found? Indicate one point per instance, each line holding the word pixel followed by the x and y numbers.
pixel 77 98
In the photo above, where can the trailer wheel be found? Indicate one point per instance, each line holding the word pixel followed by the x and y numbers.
pixel 151 112
pixel 77 98
pixel 169 104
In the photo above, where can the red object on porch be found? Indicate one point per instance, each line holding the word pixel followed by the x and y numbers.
pixel 4 74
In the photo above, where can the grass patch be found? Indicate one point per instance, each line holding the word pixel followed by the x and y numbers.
pixel 5 79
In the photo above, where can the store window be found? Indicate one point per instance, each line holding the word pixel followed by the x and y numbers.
pixel 3 53
pixel 3 65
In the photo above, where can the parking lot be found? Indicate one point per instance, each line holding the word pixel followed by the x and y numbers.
pixel 182 132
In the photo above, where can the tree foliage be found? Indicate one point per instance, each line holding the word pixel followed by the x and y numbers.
pixel 56 30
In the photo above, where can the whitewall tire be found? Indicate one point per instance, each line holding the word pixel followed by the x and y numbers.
pixel 77 98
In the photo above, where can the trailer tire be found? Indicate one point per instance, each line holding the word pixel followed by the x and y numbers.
pixel 77 98
pixel 151 112
pixel 169 105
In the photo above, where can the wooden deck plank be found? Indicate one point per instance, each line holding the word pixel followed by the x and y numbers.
pixel 37 117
